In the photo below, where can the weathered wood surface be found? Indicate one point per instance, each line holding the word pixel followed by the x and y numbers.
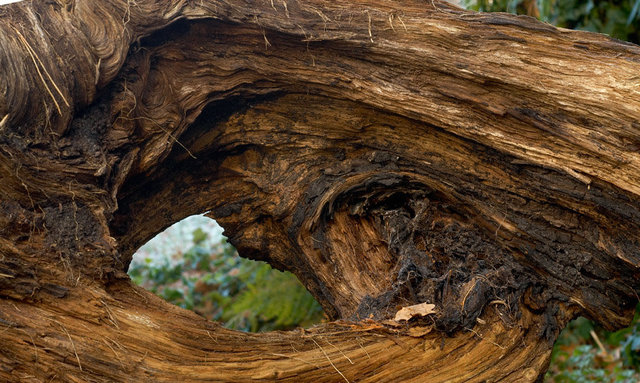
pixel 386 153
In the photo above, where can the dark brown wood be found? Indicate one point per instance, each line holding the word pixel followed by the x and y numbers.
pixel 387 153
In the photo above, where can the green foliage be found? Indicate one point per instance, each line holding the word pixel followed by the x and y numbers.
pixel 629 341
pixel 578 357
pixel 584 365
pixel 219 285
pixel 616 18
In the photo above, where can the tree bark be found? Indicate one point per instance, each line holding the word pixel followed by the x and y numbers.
pixel 388 154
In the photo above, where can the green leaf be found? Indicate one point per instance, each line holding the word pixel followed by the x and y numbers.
pixel 634 12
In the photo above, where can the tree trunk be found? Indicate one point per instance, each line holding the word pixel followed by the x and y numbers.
pixel 388 154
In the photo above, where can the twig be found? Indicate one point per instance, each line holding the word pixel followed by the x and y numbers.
pixel 72 345
pixel 126 18
pixel 597 339
pixel 6 328
pixel 3 122
pixel 111 317
pixel 116 343
pixel 35 57
pixel 75 211
pixel 114 351
pixel 161 128
pixel 140 295
pixel 499 226
pixel 267 44
pixel 33 342
pixel 329 359
pixel 364 349
pixel 402 22
pixel 397 342
pixel 294 358
pixel 97 74
pixel 498 302
pixel 370 34
pixel 33 205
pixel 478 335
pixel 434 6
pixel 343 354
pixel 208 333
pixel 466 295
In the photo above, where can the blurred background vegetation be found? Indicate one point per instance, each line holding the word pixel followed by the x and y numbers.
pixel 210 278
pixel 616 18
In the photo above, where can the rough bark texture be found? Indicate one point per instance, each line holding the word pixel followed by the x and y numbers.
pixel 388 153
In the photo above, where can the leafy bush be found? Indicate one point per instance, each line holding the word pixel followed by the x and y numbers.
pixel 585 352
pixel 585 365
pixel 617 18
pixel 215 282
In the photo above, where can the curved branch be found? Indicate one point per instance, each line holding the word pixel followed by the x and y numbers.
pixel 388 155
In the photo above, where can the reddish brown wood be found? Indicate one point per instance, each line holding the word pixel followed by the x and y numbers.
pixel 388 154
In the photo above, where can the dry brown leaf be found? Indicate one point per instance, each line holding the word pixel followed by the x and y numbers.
pixel 409 312
pixel 419 331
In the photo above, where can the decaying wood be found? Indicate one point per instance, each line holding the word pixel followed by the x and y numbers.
pixel 389 154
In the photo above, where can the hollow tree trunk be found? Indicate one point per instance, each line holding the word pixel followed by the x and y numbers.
pixel 387 153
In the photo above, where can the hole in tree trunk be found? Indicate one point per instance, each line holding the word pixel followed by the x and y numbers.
pixel 192 265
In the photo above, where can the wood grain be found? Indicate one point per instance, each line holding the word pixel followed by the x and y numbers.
pixel 388 154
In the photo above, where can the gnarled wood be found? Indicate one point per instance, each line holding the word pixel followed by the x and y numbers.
pixel 387 154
